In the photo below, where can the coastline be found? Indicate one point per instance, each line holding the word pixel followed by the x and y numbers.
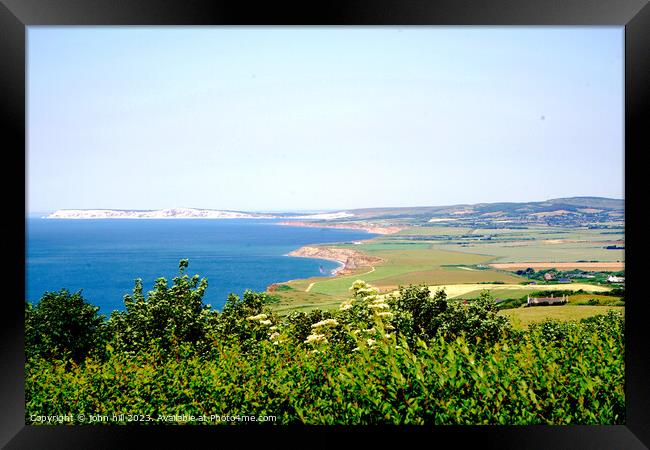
pixel 348 259
pixel 334 272
pixel 374 229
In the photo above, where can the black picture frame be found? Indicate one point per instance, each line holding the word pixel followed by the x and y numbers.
pixel 16 15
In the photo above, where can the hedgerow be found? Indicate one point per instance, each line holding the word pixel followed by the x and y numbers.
pixel 411 358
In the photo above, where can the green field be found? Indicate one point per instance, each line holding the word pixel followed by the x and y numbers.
pixel 512 290
pixel 405 263
pixel 584 299
pixel 305 301
pixel 408 263
pixel 541 232
pixel 522 317
pixel 456 258
pixel 433 231
pixel 537 251
pixel 539 244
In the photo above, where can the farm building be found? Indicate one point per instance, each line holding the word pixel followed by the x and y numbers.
pixel 538 301
pixel 564 280
pixel 613 279
pixel 549 276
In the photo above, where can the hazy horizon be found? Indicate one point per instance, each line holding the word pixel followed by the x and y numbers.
pixel 309 211
pixel 276 119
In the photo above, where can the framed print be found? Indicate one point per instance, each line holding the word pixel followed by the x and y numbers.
pixel 379 218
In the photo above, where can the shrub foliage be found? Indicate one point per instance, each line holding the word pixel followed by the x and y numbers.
pixel 410 358
pixel 63 325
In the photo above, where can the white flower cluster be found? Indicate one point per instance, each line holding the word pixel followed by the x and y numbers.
pixel 262 318
pixel 366 292
pixel 274 335
pixel 359 284
pixel 317 336
pixel 326 323
pixel 346 305
pixel 314 338
pixel 363 289
pixel 257 317
pixel 379 307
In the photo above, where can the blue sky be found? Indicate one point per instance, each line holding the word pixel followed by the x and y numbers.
pixel 311 118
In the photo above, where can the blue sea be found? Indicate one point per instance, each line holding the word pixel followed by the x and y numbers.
pixel 104 257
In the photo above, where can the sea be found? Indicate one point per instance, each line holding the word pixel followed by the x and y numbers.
pixel 104 257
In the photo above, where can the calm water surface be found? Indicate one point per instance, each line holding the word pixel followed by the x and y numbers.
pixel 104 257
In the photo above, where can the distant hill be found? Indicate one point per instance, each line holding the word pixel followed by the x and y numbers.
pixel 591 202
pixel 569 211
pixel 580 211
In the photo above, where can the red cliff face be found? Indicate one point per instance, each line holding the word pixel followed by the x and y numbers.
pixel 351 259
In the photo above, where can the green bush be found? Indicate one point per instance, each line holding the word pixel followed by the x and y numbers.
pixel 412 358
pixel 62 325
pixel 244 321
pixel 420 315
pixel 576 380
pixel 167 317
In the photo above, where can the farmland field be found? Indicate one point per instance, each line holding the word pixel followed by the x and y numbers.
pixel 522 317
pixel 602 300
pixel 589 266
pixel 512 290
pixel 433 231
pixel 404 263
pixel 537 251
pixel 540 244
pixel 460 260
pixel 306 301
